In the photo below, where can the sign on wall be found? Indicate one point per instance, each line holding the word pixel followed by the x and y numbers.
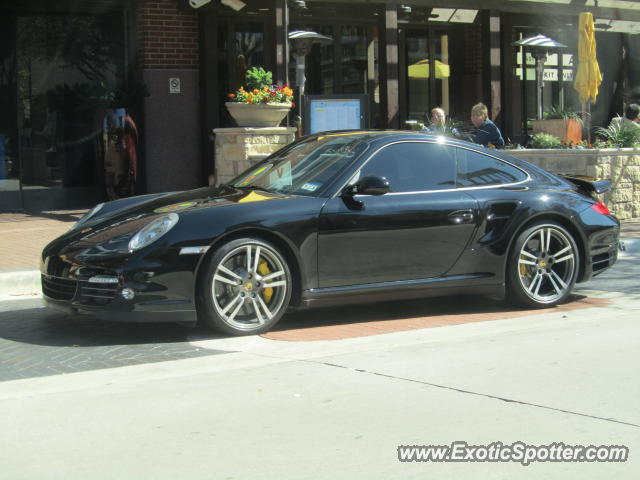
pixel 174 85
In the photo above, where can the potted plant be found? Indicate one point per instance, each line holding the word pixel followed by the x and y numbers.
pixel 545 140
pixel 262 104
pixel 620 135
pixel 562 123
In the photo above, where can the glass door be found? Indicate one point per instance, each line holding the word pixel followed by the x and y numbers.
pixel 60 69
pixel 10 191
pixel 426 72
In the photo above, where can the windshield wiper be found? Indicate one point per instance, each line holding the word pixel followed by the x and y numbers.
pixel 253 187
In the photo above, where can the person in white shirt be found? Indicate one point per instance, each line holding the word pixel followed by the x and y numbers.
pixel 631 117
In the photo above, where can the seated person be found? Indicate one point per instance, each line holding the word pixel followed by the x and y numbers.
pixel 438 125
pixel 631 117
pixel 486 132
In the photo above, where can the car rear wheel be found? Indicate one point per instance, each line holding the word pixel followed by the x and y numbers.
pixel 246 288
pixel 543 265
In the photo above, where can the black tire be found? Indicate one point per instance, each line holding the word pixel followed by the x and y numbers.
pixel 240 295
pixel 543 265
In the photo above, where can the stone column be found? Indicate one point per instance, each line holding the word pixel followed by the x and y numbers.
pixel 239 148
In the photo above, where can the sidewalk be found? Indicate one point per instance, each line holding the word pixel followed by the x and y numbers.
pixel 24 235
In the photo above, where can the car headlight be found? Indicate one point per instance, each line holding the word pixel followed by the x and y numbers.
pixel 88 215
pixel 153 231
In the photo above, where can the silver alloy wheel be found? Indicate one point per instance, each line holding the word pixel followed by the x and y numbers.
pixel 546 264
pixel 249 286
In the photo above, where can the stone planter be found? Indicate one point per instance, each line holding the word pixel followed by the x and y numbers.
pixel 622 166
pixel 258 114
pixel 239 148
pixel 568 130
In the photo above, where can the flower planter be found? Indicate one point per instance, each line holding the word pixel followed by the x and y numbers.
pixel 568 130
pixel 258 114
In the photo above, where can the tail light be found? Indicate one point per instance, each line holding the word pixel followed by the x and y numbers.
pixel 601 208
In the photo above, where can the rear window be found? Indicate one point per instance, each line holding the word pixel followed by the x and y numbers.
pixel 474 169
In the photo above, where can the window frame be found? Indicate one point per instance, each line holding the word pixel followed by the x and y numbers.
pixel 490 157
pixel 355 175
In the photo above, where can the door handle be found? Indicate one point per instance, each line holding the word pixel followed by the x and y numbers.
pixel 461 216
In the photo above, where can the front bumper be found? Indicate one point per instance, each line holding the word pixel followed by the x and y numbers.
pixel 138 315
pixel 156 293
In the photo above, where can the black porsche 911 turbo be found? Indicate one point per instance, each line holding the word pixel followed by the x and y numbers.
pixel 352 216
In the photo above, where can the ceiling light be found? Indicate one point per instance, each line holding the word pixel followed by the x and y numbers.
pixel 237 5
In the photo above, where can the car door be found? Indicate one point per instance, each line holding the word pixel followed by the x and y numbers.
pixel 417 230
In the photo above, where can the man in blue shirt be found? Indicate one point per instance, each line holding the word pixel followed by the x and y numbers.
pixel 486 132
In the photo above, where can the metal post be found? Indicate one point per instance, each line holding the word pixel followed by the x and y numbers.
pixel 540 58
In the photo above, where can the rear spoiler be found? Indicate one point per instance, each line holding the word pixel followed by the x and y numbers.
pixel 588 184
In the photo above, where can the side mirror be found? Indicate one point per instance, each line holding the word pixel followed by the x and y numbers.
pixel 369 185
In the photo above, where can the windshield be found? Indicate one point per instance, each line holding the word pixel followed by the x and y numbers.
pixel 305 167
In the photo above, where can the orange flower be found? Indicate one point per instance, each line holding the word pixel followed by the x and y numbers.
pixel 231 95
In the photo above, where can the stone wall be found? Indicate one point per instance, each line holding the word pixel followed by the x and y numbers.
pixel 621 166
pixel 239 148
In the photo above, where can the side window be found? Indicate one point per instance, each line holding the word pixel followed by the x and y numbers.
pixel 414 166
pixel 475 169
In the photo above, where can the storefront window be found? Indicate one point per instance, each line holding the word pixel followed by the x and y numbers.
pixel 418 72
pixel 319 64
pixel 442 70
pixel 68 69
pixel 249 49
pixel 354 59
pixel 614 55
pixel 428 80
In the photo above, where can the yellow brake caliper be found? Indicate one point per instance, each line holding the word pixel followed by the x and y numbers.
pixel 523 269
pixel 263 270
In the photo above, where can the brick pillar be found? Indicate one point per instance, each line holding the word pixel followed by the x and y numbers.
pixel 168 59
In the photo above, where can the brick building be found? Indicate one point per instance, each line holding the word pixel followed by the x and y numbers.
pixel 104 98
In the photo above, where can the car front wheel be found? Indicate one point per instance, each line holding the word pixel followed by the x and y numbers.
pixel 543 265
pixel 246 288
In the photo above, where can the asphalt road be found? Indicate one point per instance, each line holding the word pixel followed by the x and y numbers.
pixel 183 403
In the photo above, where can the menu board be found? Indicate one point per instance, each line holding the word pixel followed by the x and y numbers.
pixel 334 114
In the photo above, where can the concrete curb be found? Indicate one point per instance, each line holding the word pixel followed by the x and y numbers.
pixel 21 282
pixel 27 282
pixel 630 246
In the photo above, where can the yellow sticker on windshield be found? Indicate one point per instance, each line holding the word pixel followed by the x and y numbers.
pixel 254 197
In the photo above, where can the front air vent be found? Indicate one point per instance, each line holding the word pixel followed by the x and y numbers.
pixel 97 293
pixel 600 262
pixel 58 288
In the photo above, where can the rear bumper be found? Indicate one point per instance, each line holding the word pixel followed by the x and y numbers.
pixel 602 243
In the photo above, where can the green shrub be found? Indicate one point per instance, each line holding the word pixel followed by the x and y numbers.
pixel 620 135
pixel 258 77
pixel 557 112
pixel 545 140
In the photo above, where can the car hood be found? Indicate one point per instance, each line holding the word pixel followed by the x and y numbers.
pixel 119 220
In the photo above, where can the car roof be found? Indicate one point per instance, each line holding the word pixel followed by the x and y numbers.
pixel 387 136
pixel 377 138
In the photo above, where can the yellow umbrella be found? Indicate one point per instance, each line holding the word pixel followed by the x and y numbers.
pixel 421 69
pixel 588 78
